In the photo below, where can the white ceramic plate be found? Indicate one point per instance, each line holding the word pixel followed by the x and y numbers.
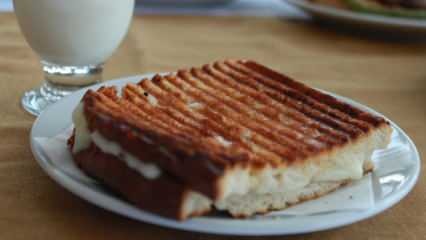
pixel 361 19
pixel 393 186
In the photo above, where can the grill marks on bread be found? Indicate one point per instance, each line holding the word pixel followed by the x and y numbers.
pixel 267 116
pixel 218 127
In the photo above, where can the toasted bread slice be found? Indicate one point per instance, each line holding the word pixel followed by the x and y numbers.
pixel 236 132
pixel 163 195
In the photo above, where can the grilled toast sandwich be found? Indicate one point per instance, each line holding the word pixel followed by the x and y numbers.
pixel 232 135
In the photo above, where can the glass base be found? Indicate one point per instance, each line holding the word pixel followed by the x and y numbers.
pixel 60 82
pixel 35 101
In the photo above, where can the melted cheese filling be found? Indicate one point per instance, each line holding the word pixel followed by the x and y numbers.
pixel 83 138
pixel 148 170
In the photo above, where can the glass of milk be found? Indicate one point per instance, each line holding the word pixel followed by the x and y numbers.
pixel 73 39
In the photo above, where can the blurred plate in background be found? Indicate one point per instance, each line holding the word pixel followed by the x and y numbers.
pixel 361 20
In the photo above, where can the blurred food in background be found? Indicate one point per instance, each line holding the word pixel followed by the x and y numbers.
pixel 184 2
pixel 394 8
pixel 334 3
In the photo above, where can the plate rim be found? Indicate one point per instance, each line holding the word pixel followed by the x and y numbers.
pixel 112 204
pixel 358 17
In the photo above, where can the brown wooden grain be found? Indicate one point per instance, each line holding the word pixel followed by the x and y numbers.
pixel 389 76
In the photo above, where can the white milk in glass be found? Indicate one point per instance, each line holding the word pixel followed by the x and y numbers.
pixel 73 39
pixel 74 32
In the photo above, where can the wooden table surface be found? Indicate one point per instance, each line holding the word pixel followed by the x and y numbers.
pixel 389 76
